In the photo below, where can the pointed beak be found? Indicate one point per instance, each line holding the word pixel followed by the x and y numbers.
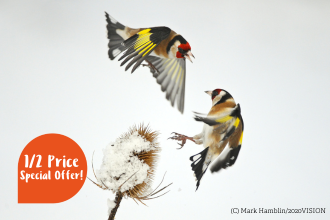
pixel 188 54
pixel 209 92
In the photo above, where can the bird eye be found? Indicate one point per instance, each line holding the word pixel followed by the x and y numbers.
pixel 215 93
pixel 181 50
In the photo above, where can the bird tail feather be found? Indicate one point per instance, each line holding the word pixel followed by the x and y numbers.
pixel 199 165
pixel 115 43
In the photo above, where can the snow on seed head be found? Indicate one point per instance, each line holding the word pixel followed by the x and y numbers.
pixel 128 163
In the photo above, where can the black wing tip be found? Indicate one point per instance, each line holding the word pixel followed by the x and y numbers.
pixel 134 68
pixel 122 63
pixel 198 118
pixel 107 18
pixel 197 185
pixel 191 158
pixel 238 109
pixel 218 169
pixel 207 121
pixel 111 57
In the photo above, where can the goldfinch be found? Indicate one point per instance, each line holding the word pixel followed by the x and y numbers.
pixel 163 50
pixel 221 136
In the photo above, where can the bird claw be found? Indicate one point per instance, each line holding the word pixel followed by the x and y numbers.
pixel 151 66
pixel 179 137
pixel 181 146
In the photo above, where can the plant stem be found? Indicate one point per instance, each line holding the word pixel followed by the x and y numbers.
pixel 119 197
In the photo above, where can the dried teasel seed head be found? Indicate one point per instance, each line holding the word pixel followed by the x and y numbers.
pixel 129 163
pixel 149 157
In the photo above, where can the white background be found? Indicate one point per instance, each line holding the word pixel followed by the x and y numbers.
pixel 272 56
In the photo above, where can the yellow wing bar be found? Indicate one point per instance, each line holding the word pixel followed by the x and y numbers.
pixel 241 138
pixel 153 45
pixel 236 122
pixel 144 37
pixel 143 42
pixel 224 119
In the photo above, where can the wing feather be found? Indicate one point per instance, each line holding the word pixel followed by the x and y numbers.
pixel 171 75
pixel 181 92
pixel 139 46
pixel 167 80
pixel 172 82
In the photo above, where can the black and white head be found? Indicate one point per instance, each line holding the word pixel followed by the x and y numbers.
pixel 219 96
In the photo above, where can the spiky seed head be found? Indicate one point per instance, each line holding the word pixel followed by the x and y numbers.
pixel 149 157
pixel 129 164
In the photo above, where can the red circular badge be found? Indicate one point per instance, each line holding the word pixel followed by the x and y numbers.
pixel 52 168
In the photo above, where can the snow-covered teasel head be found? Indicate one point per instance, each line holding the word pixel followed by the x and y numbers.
pixel 128 164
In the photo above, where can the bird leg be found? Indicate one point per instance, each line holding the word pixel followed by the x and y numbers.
pixel 182 138
pixel 151 66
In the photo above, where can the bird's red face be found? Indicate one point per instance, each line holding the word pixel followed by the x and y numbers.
pixel 184 51
pixel 214 93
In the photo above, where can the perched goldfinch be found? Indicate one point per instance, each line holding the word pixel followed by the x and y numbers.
pixel 164 51
pixel 221 136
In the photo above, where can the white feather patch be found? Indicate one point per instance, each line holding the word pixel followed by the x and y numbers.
pixel 115 52
pixel 221 158
pixel 224 154
pixel 113 20
pixel 196 157
pixel 122 33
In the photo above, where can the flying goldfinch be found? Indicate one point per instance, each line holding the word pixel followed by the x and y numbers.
pixel 221 136
pixel 163 50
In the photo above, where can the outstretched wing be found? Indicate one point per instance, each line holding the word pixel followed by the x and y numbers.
pixel 231 117
pixel 171 75
pixel 139 46
pixel 231 126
